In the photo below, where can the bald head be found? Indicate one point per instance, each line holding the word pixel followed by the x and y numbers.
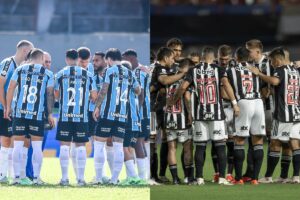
pixel 47 60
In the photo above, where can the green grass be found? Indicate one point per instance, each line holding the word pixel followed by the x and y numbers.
pixel 212 191
pixel 51 174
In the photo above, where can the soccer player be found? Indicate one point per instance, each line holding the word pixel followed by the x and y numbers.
pixel 178 121
pixel 33 81
pixel 286 115
pixel 74 86
pixel 246 87
pixel 7 68
pixel 195 57
pixel 84 57
pixel 209 117
pixel 111 110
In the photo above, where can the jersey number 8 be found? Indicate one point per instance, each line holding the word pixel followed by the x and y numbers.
pixel 31 97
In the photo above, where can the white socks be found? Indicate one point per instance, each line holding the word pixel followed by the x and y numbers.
pixel 10 163
pixel 37 158
pixel 110 157
pixel 81 161
pixel 64 161
pixel 73 157
pixel 3 161
pixel 130 169
pixel 141 164
pixel 118 161
pixel 99 159
pixel 17 157
pixel 147 160
pixel 24 162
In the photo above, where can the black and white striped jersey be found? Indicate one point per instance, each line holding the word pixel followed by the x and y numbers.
pixel 245 84
pixel 206 79
pixel 287 94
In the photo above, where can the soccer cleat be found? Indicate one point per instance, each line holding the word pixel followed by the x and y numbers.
pixel 15 181
pixel 153 182
pixel 229 178
pixel 64 182
pixel 25 181
pixel 254 182
pixel 238 182
pixel 215 178
pixel 95 182
pixel 295 179
pixel 176 181
pixel 223 181
pixel 265 180
pixel 282 180
pixel 105 180
pixel 164 179
pixel 38 181
pixel 246 179
pixel 4 180
pixel 81 183
pixel 186 180
pixel 200 181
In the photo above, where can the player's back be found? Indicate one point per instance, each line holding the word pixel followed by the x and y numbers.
pixel 74 84
pixel 32 80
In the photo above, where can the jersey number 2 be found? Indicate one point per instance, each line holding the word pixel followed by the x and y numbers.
pixel 72 101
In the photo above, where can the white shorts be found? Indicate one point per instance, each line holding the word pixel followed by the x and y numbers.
pixel 181 135
pixel 229 123
pixel 209 130
pixel 295 131
pixel 281 131
pixel 251 118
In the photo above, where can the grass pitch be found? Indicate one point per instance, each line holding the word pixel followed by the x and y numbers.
pixel 211 191
pixel 51 174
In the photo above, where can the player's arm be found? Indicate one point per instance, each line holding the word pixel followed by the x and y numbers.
pixel 141 97
pixel 50 99
pixel 2 93
pixel 224 94
pixel 178 93
pixel 93 95
pixel 9 97
pixel 188 105
pixel 228 89
pixel 273 80
pixel 101 96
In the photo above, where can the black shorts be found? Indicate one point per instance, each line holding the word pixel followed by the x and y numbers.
pixel 5 126
pixel 72 132
pixel 108 128
pixel 160 119
pixel 130 139
pixel 28 127
pixel 145 133
pixel 92 124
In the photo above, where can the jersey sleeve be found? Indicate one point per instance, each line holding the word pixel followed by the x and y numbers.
pixel 135 82
pixel 5 68
pixel 15 75
pixel 189 76
pixel 106 76
pixel 50 80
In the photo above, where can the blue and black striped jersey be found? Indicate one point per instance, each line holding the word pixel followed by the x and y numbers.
pixel 115 105
pixel 74 84
pixel 33 81
pixel 98 79
pixel 133 112
pixel 7 68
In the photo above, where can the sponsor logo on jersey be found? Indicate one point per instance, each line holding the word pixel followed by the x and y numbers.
pixel 217 132
pixel 287 134
pixel 244 128
pixel 208 115
pixel 210 72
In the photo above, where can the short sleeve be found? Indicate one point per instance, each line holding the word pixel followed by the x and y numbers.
pixel 5 68
pixel 15 75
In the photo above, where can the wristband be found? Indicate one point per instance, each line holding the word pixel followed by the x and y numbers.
pixel 234 102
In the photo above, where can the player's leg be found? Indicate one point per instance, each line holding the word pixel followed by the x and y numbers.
pixel 64 157
pixel 73 157
pixel 239 157
pixel 172 137
pixel 188 157
pixel 23 176
pixel 214 158
pixel 109 153
pixel 229 128
pixel 286 157
pixel 141 157
pixel 295 145
pixel 128 154
pixel 249 171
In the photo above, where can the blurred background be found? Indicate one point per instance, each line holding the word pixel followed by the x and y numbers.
pixel 233 22
pixel 58 25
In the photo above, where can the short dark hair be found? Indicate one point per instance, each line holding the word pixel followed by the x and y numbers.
pixel 130 52
pixel 207 50
pixel 24 43
pixel 164 51
pixel 100 53
pixel 84 53
pixel 277 52
pixel 72 54
pixel 242 54
pixel 174 42
pixel 224 50
pixel 195 54
pixel 186 62
pixel 36 53
pixel 254 43
pixel 114 54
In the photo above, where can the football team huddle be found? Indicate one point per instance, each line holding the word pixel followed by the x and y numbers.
pixel 106 102
pixel 246 96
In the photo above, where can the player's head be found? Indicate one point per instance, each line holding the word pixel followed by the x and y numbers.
pixel 99 60
pixel 186 62
pixel 287 56
pixel 277 57
pixel 84 55
pixel 113 55
pixel 242 54
pixel 176 45
pixel 224 54
pixel 23 48
pixel 131 56
pixel 256 49
pixel 47 60
pixel 71 57
pixel 126 64
pixel 195 57
pixel 165 56
pixel 37 56
pixel 208 54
